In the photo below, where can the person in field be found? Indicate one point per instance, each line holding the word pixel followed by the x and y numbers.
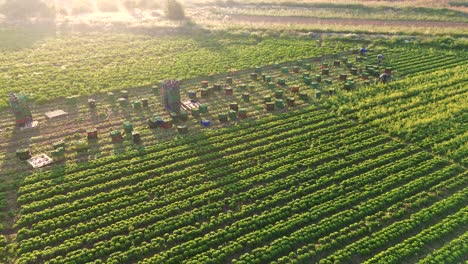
pixel 380 58
pixel 363 51
pixel 384 78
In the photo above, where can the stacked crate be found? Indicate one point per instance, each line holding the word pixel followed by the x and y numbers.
pixel 20 108
pixel 170 94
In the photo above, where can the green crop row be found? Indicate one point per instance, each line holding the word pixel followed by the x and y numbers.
pixel 452 252
pixel 426 109
pixel 312 251
pixel 306 185
pixel 231 192
pixel 101 63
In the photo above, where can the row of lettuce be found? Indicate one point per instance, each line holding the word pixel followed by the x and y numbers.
pixel 427 109
pixel 83 64
pixel 104 63
pixel 240 187
pixel 254 192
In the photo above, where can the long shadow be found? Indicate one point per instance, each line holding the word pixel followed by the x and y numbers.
pixel 12 171
pixel 23 36
pixel 218 158
pixel 189 28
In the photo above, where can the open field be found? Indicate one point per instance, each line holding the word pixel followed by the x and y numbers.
pixel 211 158
pixel 109 116
pixel 335 16
pixel 84 64
pixel 346 11
pixel 294 151
pixel 429 110
pixel 208 202
pixel 284 19
pixel 382 17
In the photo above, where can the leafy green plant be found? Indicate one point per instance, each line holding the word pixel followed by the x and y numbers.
pixel 259 184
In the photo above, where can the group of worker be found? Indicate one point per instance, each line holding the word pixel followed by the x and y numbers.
pixel 384 77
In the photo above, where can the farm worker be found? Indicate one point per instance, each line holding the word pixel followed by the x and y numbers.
pixel 363 51
pixel 384 77
pixel 380 57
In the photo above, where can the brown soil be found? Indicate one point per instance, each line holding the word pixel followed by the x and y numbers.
pixel 345 21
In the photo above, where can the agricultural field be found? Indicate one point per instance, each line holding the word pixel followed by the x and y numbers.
pixel 293 149
pixel 83 64
pixel 352 17
pixel 199 199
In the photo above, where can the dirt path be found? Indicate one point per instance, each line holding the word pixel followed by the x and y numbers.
pixel 345 21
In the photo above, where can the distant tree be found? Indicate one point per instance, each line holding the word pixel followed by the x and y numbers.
pixel 174 10
pixel 25 9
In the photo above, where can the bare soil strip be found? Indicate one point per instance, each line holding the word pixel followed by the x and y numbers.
pixel 345 21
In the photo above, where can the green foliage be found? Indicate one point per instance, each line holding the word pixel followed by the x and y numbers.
pixel 174 10
pixel 291 187
pixel 447 42
pixel 426 109
pixel 452 252
pixel 25 9
pixel 3 187
pixel 83 60
pixel 3 247
pixel 258 192
pixel 3 242
pixel 442 42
